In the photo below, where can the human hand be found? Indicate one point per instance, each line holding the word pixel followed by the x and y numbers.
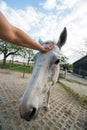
pixel 47 47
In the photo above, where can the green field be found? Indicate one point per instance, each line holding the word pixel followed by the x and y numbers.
pixel 18 67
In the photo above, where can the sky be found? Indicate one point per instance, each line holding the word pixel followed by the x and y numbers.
pixel 46 19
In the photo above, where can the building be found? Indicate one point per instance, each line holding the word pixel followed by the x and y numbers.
pixel 80 67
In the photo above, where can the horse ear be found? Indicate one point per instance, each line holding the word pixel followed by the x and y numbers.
pixel 41 42
pixel 62 38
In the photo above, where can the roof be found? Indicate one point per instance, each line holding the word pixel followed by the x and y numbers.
pixel 80 59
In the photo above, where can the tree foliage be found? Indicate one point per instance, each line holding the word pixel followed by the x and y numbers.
pixel 64 63
pixel 8 49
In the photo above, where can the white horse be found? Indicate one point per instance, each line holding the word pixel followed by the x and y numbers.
pixel 44 76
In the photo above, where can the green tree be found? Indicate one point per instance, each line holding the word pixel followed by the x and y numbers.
pixel 65 64
pixel 26 54
pixel 7 49
pixel 29 54
pixel 64 60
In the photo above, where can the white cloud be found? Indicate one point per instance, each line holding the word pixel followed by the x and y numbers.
pixel 68 4
pixel 25 19
pixel 49 4
pixel 72 14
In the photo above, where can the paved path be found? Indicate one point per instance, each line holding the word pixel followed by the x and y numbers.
pixel 65 113
pixel 77 78
pixel 79 85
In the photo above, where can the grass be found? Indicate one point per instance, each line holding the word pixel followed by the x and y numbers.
pixel 18 67
pixel 71 80
pixel 81 99
pixel 61 76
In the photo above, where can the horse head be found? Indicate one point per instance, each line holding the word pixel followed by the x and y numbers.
pixel 44 76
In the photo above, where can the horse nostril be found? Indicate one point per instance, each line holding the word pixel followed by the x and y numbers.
pixel 29 115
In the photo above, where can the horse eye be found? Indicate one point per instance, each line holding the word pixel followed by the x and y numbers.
pixel 57 61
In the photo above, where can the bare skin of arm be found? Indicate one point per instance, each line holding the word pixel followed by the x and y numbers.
pixel 16 36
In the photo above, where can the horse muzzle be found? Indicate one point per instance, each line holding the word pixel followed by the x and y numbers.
pixel 31 114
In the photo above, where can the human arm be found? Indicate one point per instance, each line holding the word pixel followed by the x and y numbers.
pixel 16 36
